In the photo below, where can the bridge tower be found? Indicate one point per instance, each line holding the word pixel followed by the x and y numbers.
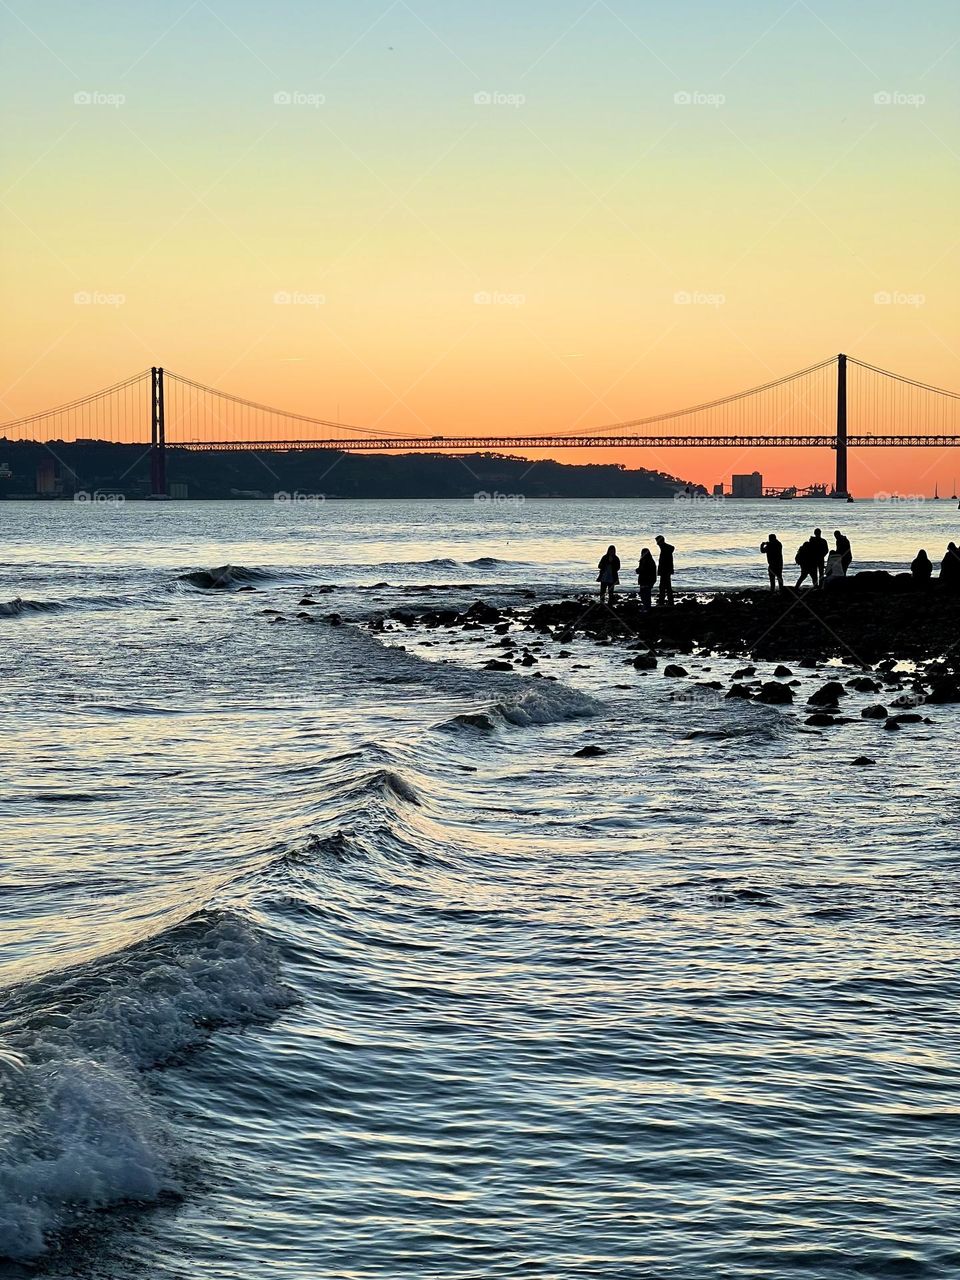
pixel 840 488
pixel 158 443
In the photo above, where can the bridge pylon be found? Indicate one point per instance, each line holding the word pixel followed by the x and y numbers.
pixel 840 486
pixel 158 442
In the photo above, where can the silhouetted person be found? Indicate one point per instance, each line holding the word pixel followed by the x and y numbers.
pixel 609 574
pixel 665 570
pixel 773 550
pixel 820 546
pixel 950 567
pixel 646 577
pixel 806 559
pixel 843 550
pixel 921 568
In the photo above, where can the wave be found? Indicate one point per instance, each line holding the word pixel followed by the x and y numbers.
pixel 78 1128
pixel 225 576
pixel 14 608
pixel 546 703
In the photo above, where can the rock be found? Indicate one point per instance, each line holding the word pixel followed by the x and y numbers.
pixel 863 684
pixel 828 695
pixel 744 672
pixel 781 671
pixel 808 662
pixel 528 660
pixel 944 689
pixel 480 611
pixel 891 724
pixel 589 751
pixel 306 617
pixel 908 717
pixel 497 664
pixel 502 628
pixel 874 712
pixel 674 672
pixel 821 719
pixel 335 619
pixel 307 600
pixel 863 760
pixel 739 691
pixel 645 662
pixel 775 694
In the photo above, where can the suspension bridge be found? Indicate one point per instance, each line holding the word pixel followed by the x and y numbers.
pixel 838 404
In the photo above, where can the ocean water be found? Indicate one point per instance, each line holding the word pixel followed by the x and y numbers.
pixel 322 954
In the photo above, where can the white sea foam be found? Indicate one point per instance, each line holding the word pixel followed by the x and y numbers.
pixel 80 1129
pixel 548 703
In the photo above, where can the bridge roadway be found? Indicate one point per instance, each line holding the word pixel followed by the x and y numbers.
pixel 448 444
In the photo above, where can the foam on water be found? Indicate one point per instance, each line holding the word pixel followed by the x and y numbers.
pixel 80 1128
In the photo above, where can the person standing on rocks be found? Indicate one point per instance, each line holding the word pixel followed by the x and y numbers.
pixel 665 570
pixel 609 574
pixel 773 550
pixel 921 568
pixel 950 568
pixel 646 578
pixel 843 550
pixel 820 547
pixel 806 559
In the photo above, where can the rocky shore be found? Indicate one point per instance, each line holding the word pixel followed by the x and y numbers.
pixel 872 622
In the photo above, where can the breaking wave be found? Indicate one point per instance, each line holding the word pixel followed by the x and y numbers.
pixel 225 576
pixel 79 1129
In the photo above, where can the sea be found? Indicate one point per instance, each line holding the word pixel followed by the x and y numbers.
pixel 325 956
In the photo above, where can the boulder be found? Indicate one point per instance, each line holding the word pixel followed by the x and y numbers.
pixel 739 691
pixel 821 719
pixel 588 752
pixel 828 695
pixel 674 671
pixel 497 664
pixel 874 712
pixel 781 671
pixel 775 694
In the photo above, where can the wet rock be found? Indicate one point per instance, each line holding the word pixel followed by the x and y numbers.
pixel 528 660
pixel 306 617
pixel 892 724
pixel 502 628
pixel 775 694
pixel 908 717
pixel 481 612
pixel 874 712
pixel 307 600
pixel 590 751
pixel 497 664
pixel 863 760
pixel 335 619
pixel 645 662
pixel 674 672
pixel 821 719
pixel 808 662
pixel 863 684
pixel 944 689
pixel 744 672
pixel 828 695
pixel 739 691
pixel 781 671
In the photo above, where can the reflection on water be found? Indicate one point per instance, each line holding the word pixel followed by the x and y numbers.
pixel 325 957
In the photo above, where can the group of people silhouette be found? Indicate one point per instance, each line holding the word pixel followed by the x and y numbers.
pixel 817 562
pixel 648 571
pixel 814 557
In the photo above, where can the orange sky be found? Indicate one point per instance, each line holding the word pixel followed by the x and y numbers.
pixel 409 255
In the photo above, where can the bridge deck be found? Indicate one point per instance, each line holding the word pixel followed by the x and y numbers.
pixel 448 444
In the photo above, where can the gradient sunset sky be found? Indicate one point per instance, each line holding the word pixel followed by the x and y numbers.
pixel 484 213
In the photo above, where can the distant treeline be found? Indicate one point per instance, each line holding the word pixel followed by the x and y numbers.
pixel 125 469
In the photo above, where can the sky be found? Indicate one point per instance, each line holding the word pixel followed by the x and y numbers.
pixel 485 218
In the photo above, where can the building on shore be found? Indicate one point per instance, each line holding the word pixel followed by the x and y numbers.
pixel 750 486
